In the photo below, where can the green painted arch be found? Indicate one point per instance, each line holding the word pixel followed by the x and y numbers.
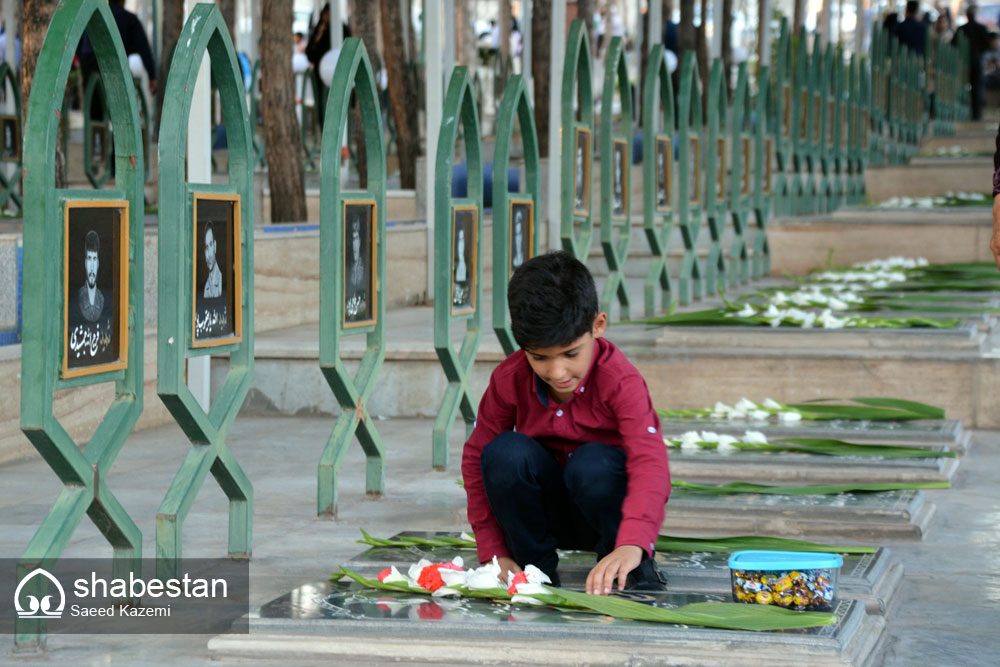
pixel 742 135
pixel 689 209
pixel 763 191
pixel 781 81
pixel 576 84
pixel 801 127
pixel 716 180
pixel 616 230
pixel 514 107
pixel 9 186
pixel 205 32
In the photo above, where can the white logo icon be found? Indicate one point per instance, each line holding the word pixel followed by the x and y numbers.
pixel 39 608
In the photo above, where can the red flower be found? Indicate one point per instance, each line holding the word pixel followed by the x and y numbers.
pixel 384 573
pixel 519 578
pixel 430 576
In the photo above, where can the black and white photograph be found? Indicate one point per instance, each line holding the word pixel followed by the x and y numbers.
pixel 619 178
pixel 217 290
pixel 522 231
pixel 664 159
pixel 463 267
pixel 720 169
pixel 98 143
pixel 694 170
pixel 581 172
pixel 10 149
pixel 359 260
pixel 95 272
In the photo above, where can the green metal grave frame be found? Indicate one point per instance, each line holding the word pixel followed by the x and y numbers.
pixel 576 87
pixel 206 33
pixel 82 471
pixel 826 148
pixel 9 185
pixel 782 122
pixel 741 180
pixel 353 70
pixel 876 98
pixel 514 107
pixel 858 115
pixel 764 172
pixel 616 232
pixel 893 110
pixel 716 185
pixel 98 177
pixel 459 107
pixel 259 159
pixel 311 128
pixel 812 188
pixel 801 128
pixel 690 284
pixel 658 223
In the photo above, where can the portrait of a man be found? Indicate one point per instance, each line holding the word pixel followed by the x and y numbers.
pixel 463 275
pixel 359 259
pixel 521 232
pixel 216 279
pixel 95 287
pixel 11 149
pixel 581 172
pixel 663 163
pixel 619 178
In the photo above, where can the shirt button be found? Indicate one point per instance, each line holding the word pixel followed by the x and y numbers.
pixel 581 389
pixel 651 429
pixel 558 413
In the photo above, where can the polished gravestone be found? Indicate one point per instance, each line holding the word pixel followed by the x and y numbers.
pixel 871 578
pixel 324 620
pixel 867 517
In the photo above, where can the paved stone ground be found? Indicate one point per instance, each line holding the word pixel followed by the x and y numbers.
pixel 948 615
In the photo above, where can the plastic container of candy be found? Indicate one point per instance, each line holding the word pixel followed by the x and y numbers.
pixel 792 579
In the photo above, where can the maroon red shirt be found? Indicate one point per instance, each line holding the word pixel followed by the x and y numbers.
pixel 611 405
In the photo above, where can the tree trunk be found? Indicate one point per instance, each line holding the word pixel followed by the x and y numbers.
pixel 505 21
pixel 703 59
pixel 465 36
pixel 403 103
pixel 36 16
pixel 585 11
pixel 799 16
pixel 541 62
pixel 727 43
pixel 173 23
pixel 364 24
pixel 228 10
pixel 687 34
pixel 283 142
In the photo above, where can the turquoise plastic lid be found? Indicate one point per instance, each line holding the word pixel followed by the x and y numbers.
pixel 783 560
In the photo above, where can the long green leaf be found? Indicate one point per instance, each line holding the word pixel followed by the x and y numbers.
pixel 726 615
pixel 928 411
pixel 830 447
pixel 733 488
pixel 741 542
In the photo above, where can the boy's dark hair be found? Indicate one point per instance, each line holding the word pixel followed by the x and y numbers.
pixel 552 301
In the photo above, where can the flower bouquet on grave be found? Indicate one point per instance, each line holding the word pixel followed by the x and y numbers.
pixel 757 441
pixel 449 579
pixel 734 488
pixel 663 543
pixel 948 200
pixel 863 408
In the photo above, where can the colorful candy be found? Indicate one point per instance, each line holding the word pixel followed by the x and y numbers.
pixel 812 590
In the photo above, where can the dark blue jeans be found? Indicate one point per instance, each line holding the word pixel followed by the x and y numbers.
pixel 542 506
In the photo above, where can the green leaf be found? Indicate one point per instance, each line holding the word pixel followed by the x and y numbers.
pixel 726 615
pixel 733 488
pixel 830 447
pixel 928 411
pixel 740 542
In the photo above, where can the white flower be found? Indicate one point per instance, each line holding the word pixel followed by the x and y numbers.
pixel 779 298
pixel 747 311
pixel 789 417
pixel 414 572
pixel 827 320
pixel 394 577
pixel 759 415
pixel 690 440
pixel 746 405
pixel 772 404
pixel 536 576
pixel 445 591
pixel 465 536
pixel 837 304
pixel 485 576
pixel 772 311
pixel 755 438
pixel 453 577
pixel 709 436
pixel 726 443
pixel 671 442
pixel 526 599
pixel 721 410
pixel 807 323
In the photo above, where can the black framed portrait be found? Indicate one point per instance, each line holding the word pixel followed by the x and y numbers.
pixel 98 143
pixel 786 110
pixel 720 168
pixel 831 109
pixel 217 272
pixel 10 138
pixel 694 170
pixel 767 165
pixel 664 162
pixel 95 287
pixel 581 172
pixel 619 179
pixel 463 259
pixel 745 174
pixel 803 115
pixel 360 297
pixel 817 117
pixel 522 231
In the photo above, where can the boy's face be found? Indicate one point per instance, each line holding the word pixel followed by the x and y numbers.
pixel 563 367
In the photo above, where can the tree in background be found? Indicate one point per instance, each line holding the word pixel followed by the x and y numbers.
pixel 400 64
pixel 35 19
pixel 228 10
pixel 799 16
pixel 172 24
pixel 364 24
pixel 282 140
pixel 541 65
pixel 727 44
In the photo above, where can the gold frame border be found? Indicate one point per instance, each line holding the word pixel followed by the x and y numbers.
pixel 237 231
pixel 373 241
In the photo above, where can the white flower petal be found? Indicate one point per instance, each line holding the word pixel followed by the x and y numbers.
pixel 445 591
pixel 789 417
pixel 755 438
pixel 690 440
pixel 536 576
pixel 759 415
pixel 772 404
pixel 709 436
pixel 530 588
pixel 526 599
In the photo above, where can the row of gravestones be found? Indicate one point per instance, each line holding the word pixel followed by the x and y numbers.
pixel 82 325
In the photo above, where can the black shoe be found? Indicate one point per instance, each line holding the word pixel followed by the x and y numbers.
pixel 646 577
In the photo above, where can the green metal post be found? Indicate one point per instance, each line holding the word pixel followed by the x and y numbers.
pixel 658 175
pixel 205 32
pixel 801 127
pixel 457 268
pixel 716 183
pixel 352 300
pixel 616 181
pixel 741 179
pixel 47 345
pixel 782 117
pixel 576 223
pixel 766 127
pixel 515 106
pixel 690 187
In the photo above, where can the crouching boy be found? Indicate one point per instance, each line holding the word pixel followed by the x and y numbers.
pixel 567 451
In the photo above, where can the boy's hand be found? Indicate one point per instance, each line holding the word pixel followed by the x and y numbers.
pixel 618 563
pixel 507 565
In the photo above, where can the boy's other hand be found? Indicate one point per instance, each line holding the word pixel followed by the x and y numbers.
pixel 618 564
pixel 507 565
